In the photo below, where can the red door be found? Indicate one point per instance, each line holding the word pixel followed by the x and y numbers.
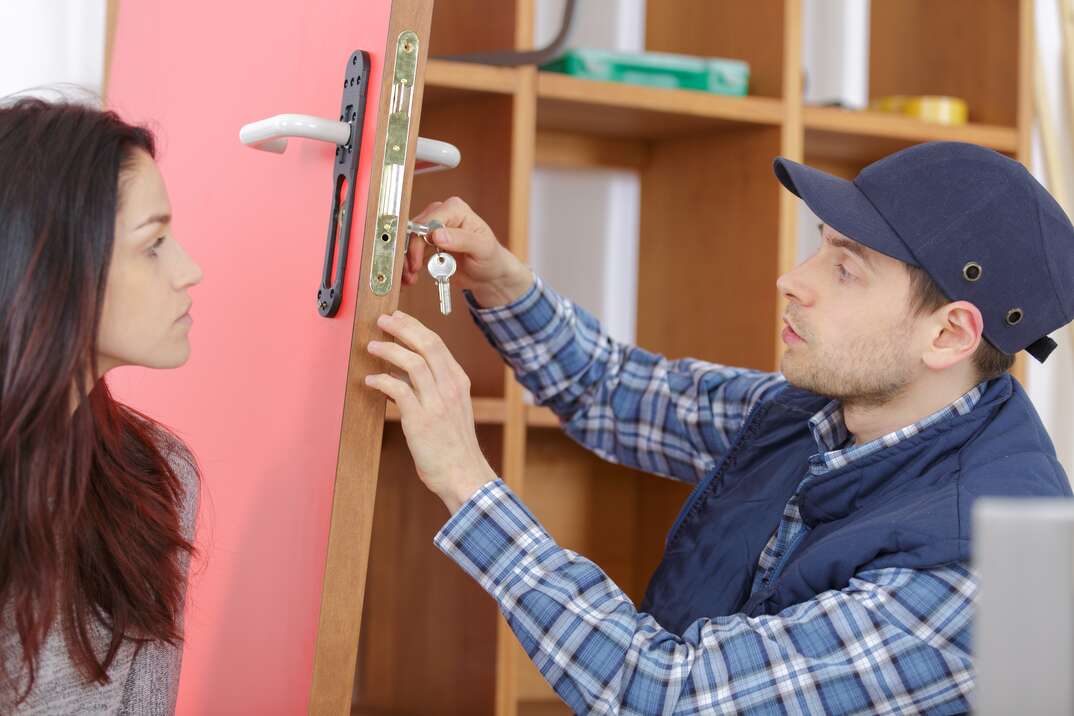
pixel 265 396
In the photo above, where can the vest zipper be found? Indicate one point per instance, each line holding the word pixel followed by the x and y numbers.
pixel 778 568
pixel 702 487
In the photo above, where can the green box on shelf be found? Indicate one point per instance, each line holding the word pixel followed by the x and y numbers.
pixel 656 69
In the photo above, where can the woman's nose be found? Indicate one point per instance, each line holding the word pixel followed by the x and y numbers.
pixel 197 274
pixel 190 273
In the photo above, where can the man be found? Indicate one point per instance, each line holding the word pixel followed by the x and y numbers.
pixel 821 565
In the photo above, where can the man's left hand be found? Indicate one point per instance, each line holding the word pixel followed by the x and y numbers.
pixel 437 414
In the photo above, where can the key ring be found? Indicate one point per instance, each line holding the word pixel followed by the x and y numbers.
pixel 423 231
pixel 406 241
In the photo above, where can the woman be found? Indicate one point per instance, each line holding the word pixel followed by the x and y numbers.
pixel 97 502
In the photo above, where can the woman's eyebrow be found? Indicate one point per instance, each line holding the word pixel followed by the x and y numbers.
pixel 155 219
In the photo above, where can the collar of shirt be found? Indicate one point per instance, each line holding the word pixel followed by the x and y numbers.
pixel 830 432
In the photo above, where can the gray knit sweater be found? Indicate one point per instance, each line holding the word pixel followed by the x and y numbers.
pixel 142 684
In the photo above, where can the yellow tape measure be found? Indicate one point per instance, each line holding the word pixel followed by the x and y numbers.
pixel 929 108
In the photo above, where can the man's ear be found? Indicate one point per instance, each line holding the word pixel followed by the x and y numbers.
pixel 955 330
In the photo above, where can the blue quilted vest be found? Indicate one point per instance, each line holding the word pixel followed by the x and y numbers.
pixel 904 506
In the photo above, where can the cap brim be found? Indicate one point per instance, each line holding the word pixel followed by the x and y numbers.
pixel 841 205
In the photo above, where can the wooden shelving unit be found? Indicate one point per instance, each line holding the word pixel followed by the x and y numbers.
pixel 432 641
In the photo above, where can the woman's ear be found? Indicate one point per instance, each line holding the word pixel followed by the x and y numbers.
pixel 956 332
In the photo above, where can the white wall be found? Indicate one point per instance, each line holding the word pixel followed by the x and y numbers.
pixel 1051 384
pixel 51 43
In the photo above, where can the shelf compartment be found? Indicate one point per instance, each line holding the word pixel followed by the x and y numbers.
pixel 419 605
pixel 481 127
pixel 864 136
pixel 464 26
pixel 964 48
pixel 708 257
pixel 750 31
pixel 573 104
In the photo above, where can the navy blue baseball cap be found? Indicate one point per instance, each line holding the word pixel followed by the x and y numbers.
pixel 976 221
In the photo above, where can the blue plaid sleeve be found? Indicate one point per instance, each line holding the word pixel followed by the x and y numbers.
pixel 893 641
pixel 669 417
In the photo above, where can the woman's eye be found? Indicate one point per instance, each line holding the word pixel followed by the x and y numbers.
pixel 155 246
pixel 843 273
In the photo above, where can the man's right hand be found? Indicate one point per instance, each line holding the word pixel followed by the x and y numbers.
pixel 494 275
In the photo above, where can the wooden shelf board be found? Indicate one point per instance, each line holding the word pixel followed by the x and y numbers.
pixel 573 104
pixel 447 82
pixel 543 708
pixel 487 411
pixel 540 417
pixel 864 136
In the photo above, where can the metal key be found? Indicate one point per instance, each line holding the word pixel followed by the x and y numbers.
pixel 442 268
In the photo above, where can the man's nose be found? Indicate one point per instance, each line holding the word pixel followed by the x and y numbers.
pixel 794 287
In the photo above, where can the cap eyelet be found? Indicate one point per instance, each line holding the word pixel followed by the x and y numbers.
pixel 972 271
pixel 1014 316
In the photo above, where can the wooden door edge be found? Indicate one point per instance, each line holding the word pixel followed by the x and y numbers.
pixel 351 525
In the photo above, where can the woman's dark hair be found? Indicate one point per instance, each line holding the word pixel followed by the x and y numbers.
pixel 89 502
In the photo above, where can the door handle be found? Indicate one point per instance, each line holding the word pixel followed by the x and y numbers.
pixel 271 135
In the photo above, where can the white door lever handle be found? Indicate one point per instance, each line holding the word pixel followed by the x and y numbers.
pixel 432 155
pixel 271 135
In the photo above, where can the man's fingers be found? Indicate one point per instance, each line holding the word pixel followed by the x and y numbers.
pixel 414 256
pixel 417 337
pixel 460 241
pixel 453 213
pixel 424 216
pixel 395 389
pixel 413 364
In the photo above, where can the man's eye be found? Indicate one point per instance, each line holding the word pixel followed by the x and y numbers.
pixel 843 273
pixel 155 246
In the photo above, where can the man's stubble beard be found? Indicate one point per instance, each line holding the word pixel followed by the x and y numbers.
pixel 870 371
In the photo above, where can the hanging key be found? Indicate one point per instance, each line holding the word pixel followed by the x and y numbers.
pixel 442 268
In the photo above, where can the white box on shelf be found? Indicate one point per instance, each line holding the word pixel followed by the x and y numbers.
pixel 835 52
pixel 584 241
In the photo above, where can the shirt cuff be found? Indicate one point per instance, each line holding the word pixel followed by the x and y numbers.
pixel 493 537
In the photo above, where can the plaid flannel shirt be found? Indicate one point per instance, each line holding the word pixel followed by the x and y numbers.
pixel 892 641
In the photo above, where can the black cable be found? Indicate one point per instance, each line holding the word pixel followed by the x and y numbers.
pixel 517 58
